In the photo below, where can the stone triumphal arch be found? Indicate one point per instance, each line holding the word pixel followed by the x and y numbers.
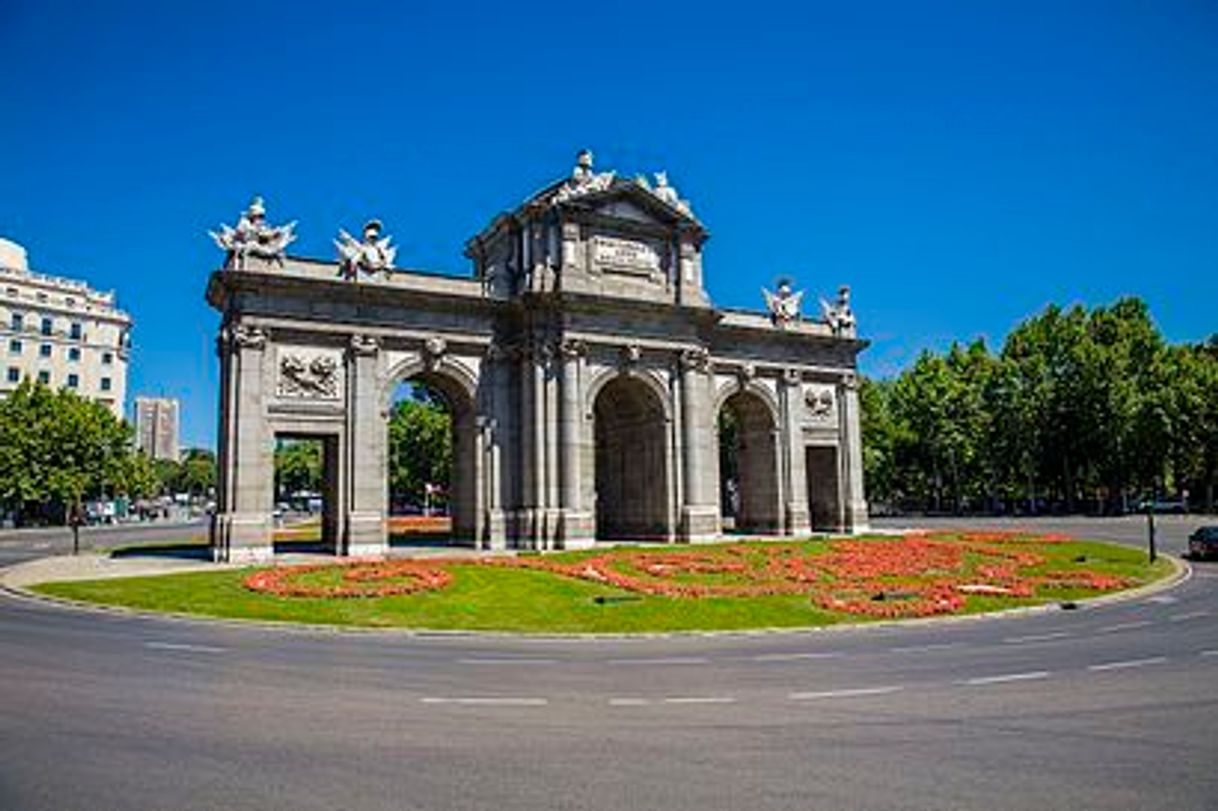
pixel 587 373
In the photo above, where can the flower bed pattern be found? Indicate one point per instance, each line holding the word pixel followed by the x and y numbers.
pixel 920 574
pixel 360 579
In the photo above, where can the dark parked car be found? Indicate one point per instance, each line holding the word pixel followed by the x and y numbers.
pixel 1204 542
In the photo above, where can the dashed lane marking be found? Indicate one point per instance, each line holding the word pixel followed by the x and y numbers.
pixel 1209 653
pixel 506 660
pixel 629 702
pixel 663 660
pixel 1128 663
pixel 487 701
pixel 699 700
pixel 793 657
pixel 1163 599
pixel 980 681
pixel 857 692
pixel 1188 615
pixel 182 646
pixel 1019 640
pixel 924 648
pixel 1122 626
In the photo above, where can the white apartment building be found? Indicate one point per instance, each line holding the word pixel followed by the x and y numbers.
pixel 61 332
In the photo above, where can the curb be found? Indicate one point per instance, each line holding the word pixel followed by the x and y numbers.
pixel 1182 572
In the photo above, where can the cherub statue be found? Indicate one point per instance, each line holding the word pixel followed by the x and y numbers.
pixel 253 236
pixel 783 305
pixel 839 316
pixel 582 172
pixel 371 255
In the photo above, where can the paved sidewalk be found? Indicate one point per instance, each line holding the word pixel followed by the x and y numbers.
pixel 100 566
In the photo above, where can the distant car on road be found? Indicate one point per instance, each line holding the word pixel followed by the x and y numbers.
pixel 1204 542
pixel 1163 505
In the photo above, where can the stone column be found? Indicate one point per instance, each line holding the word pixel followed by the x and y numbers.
pixel 699 513
pixel 492 424
pixel 796 520
pixel 851 445
pixel 366 471
pixel 576 524
pixel 242 530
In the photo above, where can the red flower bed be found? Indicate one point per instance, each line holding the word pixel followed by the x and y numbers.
pixel 912 576
pixel 360 579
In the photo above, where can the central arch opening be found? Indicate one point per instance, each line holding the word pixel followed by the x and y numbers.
pixel 748 465
pixel 430 470
pixel 631 473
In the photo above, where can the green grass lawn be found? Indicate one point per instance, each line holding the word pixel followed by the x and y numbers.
pixel 492 598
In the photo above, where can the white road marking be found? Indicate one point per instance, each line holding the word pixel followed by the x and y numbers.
pixel 484 701
pixel 1123 626
pixel 1151 660
pixel 1006 677
pixel 924 648
pixel 699 700
pixel 668 660
pixel 182 646
pixel 1163 599
pixel 1209 653
pixel 507 661
pixel 792 657
pixel 1189 615
pixel 629 702
pixel 861 691
pixel 1019 640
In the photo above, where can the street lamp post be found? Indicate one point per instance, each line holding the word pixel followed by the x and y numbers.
pixel 1150 525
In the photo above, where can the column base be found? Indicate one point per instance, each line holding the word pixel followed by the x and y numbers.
pixel 576 530
pixel 242 538
pixel 496 531
pixel 796 520
pixel 857 519
pixel 367 535
pixel 699 522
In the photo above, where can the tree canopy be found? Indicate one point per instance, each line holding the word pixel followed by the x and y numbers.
pixel 1080 408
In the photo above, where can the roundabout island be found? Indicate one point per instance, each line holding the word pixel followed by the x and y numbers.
pixel 731 586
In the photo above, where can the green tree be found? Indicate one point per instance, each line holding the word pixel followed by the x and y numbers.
pixel 298 466
pixel 420 446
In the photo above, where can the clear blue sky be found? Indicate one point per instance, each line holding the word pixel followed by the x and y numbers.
pixel 959 164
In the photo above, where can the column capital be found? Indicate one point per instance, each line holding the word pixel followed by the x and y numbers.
pixel 572 349
pixel 792 377
pixel 696 359
pixel 364 344
pixel 242 336
pixel 850 381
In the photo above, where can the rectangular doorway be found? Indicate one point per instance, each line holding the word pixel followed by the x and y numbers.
pixel 306 493
pixel 824 494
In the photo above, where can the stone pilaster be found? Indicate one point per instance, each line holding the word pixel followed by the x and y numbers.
pixel 794 482
pixel 367 458
pixel 242 529
pixel 851 443
pixel 576 524
pixel 699 512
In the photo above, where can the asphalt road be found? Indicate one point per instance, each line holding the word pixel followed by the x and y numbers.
pixel 1110 707
pixel 18 545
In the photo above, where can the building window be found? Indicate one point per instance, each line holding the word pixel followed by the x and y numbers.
pixel 107 358
pixel 73 353
pixel 105 384
pixel 42 296
pixel 18 322
pixel 44 351
pixel 14 347
pixel 69 301
pixel 44 377
pixel 14 374
pixel 47 325
pixel 13 292
pixel 75 334
pixel 73 381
